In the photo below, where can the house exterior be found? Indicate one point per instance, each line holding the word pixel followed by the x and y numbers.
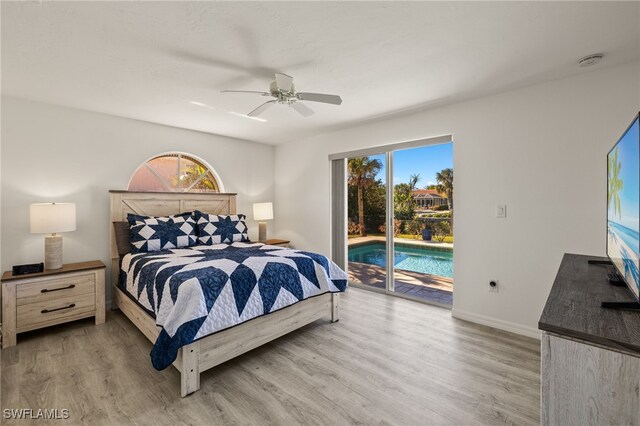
pixel 428 198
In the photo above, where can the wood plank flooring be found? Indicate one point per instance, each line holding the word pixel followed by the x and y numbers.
pixel 388 361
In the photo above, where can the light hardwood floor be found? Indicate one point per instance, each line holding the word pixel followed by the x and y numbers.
pixel 388 361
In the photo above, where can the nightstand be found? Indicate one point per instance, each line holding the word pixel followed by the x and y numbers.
pixel 275 242
pixel 51 297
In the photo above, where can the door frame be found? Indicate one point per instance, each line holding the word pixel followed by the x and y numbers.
pixel 339 199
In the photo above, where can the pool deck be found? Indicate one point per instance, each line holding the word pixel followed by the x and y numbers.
pixel 424 286
pixel 433 288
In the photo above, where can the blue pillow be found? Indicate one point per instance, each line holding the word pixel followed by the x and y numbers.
pixel 163 232
pixel 216 229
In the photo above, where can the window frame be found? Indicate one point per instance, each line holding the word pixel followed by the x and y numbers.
pixel 163 181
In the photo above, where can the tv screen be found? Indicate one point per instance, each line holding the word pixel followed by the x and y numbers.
pixel 623 206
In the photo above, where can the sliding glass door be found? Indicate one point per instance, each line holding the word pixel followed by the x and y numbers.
pixel 423 261
pixel 397 219
pixel 367 220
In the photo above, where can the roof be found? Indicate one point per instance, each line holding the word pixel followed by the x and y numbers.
pixel 427 193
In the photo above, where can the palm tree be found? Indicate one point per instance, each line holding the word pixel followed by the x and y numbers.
pixel 362 173
pixel 403 198
pixel 615 183
pixel 403 201
pixel 413 181
pixel 196 177
pixel 445 184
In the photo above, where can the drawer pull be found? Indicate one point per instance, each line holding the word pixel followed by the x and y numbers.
pixel 46 290
pixel 46 311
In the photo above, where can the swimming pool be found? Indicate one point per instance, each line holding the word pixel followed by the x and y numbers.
pixel 409 258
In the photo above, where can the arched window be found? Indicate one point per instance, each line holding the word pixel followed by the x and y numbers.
pixel 175 172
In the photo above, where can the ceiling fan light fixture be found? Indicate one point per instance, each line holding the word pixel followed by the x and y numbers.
pixel 284 92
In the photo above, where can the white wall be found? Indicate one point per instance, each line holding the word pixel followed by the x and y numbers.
pixel 541 150
pixel 53 153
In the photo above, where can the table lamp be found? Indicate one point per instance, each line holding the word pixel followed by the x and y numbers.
pixel 261 213
pixel 52 218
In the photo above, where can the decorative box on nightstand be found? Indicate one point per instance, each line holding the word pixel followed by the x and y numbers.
pixel 276 242
pixel 51 297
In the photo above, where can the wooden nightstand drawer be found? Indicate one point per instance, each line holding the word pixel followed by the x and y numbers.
pixel 51 297
pixel 51 289
pixel 49 312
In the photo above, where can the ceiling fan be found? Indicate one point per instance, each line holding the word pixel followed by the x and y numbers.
pixel 283 90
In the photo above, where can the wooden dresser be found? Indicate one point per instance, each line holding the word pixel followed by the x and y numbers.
pixel 52 297
pixel 590 356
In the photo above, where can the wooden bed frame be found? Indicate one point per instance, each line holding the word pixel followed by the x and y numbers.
pixel 217 348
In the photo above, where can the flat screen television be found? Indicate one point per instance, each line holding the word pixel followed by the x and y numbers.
pixel 623 207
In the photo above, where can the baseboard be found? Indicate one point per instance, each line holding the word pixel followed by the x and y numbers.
pixel 496 323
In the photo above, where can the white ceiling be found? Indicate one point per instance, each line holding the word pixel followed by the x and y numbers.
pixel 150 61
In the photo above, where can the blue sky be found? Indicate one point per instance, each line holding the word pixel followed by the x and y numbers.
pixel 628 156
pixel 426 160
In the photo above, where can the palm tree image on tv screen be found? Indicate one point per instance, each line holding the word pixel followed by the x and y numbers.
pixel 623 205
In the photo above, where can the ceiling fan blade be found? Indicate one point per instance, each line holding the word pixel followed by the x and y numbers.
pixel 246 91
pixel 284 82
pixel 319 97
pixel 262 108
pixel 304 110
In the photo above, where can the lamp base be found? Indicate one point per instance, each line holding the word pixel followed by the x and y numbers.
pixel 53 252
pixel 262 231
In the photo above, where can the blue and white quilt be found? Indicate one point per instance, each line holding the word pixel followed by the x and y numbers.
pixel 197 291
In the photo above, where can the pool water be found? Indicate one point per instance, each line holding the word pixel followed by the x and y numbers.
pixel 416 259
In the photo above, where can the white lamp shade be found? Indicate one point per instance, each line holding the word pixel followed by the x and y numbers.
pixel 51 218
pixel 263 211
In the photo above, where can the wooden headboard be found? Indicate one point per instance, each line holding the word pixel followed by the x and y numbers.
pixel 161 204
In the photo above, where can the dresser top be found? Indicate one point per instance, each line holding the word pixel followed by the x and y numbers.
pixel 67 267
pixel 573 307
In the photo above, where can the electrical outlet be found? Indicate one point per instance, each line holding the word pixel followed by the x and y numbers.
pixel 501 211
pixel 493 286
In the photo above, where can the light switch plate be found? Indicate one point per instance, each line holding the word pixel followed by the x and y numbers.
pixel 501 211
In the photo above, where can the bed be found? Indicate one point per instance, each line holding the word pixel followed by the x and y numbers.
pixel 229 339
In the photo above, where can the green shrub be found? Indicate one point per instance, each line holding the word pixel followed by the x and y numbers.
pixel 353 227
pixel 397 224
pixel 414 227
pixel 446 214
pixel 441 230
pixel 440 208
